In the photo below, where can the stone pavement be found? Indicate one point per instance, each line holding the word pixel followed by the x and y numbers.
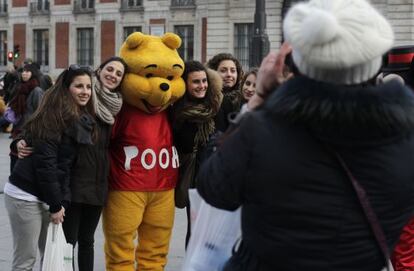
pixel 176 253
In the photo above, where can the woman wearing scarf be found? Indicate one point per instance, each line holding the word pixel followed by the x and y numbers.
pixel 25 100
pixel 231 72
pixel 89 180
pixel 193 124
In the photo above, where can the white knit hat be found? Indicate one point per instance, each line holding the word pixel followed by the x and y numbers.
pixel 337 41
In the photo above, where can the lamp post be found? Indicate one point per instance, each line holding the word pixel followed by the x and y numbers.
pixel 259 46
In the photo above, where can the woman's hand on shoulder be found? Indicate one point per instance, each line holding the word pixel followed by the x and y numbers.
pixel 23 150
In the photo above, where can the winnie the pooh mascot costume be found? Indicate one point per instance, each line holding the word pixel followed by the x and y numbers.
pixel 144 162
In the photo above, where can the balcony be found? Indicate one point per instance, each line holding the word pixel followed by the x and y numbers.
pixel 131 5
pixel 3 10
pixel 39 8
pixel 183 4
pixel 83 6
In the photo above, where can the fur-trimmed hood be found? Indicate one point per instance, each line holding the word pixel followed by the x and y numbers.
pixel 346 112
pixel 215 83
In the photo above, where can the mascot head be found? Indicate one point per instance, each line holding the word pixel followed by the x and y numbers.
pixel 153 80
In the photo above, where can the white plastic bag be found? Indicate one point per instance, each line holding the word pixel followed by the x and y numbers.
pixel 58 254
pixel 213 235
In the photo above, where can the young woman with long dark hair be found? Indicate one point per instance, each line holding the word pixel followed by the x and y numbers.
pixel 38 189
pixel 193 124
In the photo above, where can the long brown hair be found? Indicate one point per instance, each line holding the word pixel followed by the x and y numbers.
pixel 254 71
pixel 58 110
pixel 214 63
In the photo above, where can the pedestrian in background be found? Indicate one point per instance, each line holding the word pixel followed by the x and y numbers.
pixel 231 72
pixel 38 189
pixel 193 125
pixel 248 84
pixel 300 210
pixel 25 99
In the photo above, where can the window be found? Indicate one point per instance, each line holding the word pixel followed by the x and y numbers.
pixel 134 3
pixel 39 6
pixel 41 46
pixel 131 5
pixel 242 36
pixel 84 6
pixel 3 48
pixel 87 4
pixel 182 2
pixel 128 30
pixel 85 46
pixel 3 7
pixel 186 33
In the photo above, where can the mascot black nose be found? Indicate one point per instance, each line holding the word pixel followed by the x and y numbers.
pixel 164 87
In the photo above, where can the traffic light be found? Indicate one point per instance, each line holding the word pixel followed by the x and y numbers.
pixel 10 56
pixel 16 51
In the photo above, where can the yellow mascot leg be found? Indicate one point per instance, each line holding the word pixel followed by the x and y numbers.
pixel 121 218
pixel 155 231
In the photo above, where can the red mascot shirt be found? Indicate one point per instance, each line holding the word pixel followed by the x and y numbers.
pixel 142 154
pixel 403 256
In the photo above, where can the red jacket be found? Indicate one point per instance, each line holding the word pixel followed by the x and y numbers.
pixel 142 154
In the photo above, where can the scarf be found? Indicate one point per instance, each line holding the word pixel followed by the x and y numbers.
pixel 18 103
pixel 107 104
pixel 200 112
pixel 234 96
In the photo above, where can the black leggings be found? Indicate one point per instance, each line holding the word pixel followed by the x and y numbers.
pixel 188 235
pixel 79 226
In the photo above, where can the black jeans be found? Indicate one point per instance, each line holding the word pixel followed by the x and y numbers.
pixel 79 226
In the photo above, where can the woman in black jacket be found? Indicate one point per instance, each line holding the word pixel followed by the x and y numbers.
pixel 299 208
pixel 38 186
pixel 89 179
pixel 231 72
pixel 193 124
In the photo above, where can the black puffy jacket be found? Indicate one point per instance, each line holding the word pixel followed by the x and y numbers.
pixel 46 173
pixel 89 178
pixel 299 210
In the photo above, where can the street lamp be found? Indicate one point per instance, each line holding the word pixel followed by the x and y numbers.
pixel 259 46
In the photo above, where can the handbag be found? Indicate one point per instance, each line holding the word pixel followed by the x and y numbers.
pixel 186 177
pixel 10 115
pixel 58 254
pixel 368 211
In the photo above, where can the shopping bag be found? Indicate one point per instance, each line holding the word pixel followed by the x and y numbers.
pixel 214 233
pixel 58 254
pixel 196 201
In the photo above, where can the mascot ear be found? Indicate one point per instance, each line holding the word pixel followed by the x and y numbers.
pixel 134 40
pixel 171 40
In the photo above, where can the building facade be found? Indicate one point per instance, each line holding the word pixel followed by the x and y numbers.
pixel 56 33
